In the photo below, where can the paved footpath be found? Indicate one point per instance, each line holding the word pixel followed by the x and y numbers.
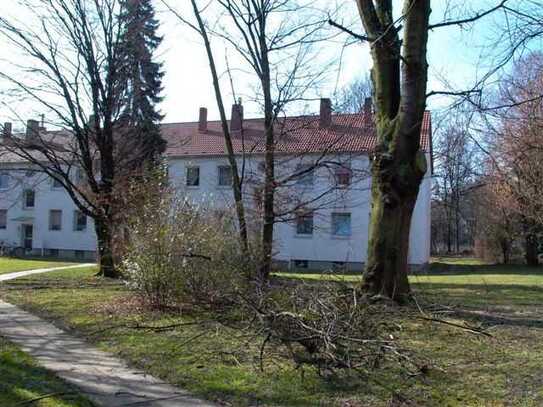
pixel 101 377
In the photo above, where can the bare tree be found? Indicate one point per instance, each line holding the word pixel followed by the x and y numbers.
pixel 275 39
pixel 516 147
pixel 354 97
pixel 73 70
pixel 258 40
pixel 237 177
pixel 455 178
pixel 399 75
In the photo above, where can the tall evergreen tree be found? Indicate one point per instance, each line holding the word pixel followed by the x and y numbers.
pixel 144 78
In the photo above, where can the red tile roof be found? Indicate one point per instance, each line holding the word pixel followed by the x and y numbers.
pixel 352 133
pixel 347 133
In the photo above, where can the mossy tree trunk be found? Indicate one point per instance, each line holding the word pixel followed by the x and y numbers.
pixel 106 258
pixel 399 77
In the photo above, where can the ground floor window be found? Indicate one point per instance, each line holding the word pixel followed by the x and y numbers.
pixel 341 224
pixel 3 218
pixel 301 264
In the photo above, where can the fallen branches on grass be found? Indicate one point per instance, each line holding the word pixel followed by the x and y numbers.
pixel 471 329
pixel 158 328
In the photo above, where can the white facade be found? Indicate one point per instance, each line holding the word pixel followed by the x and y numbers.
pixel 30 226
pixel 321 248
pixel 318 249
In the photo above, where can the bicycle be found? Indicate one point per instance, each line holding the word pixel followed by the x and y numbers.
pixel 7 250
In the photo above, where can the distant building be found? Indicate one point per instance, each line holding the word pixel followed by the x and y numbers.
pixel 323 202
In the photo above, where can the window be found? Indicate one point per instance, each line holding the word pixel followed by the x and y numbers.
pixel 55 219
pixel 29 198
pixel 225 176
pixel 53 253
pixel 304 223
pixel 301 264
pixel 341 224
pixel 343 176
pixel 4 180
pixel 80 221
pixel 193 176
pixel 56 183
pixel 307 175
pixel 3 218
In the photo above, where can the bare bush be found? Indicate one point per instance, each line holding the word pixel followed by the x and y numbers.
pixel 178 252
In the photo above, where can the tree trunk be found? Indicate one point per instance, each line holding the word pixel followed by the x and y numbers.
pixel 268 207
pixel 388 247
pixel 269 158
pixel 399 77
pixel 531 250
pixel 106 259
pixel 236 179
pixel 505 251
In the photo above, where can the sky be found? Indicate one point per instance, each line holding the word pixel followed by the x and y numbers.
pixel 453 54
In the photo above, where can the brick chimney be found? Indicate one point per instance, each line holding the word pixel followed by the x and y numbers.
pixel 325 118
pixel 236 122
pixel 32 129
pixel 202 121
pixel 7 130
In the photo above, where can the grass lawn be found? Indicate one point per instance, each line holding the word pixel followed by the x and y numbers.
pixel 217 363
pixel 11 265
pixel 22 381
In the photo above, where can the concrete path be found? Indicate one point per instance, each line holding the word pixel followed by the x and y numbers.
pixel 11 276
pixel 103 378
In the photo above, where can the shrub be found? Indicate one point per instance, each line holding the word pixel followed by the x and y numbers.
pixel 178 252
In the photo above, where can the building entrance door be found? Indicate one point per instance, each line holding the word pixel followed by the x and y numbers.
pixel 28 232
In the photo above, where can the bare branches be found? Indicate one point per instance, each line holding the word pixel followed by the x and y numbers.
pixel 348 31
pixel 75 71
pixel 471 19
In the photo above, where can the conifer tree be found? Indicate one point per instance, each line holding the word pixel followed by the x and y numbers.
pixel 144 79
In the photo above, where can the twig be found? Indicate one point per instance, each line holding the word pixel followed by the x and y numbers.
pixel 467 328
pixel 45 396
pixel 150 327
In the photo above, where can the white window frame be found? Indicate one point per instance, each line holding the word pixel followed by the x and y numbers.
pixel 76 224
pixel 228 185
pixel 25 191
pixel 301 217
pixel 334 228
pixel 53 184
pixel 51 220
pixel 4 175
pixel 3 219
pixel 187 170
pixel 340 171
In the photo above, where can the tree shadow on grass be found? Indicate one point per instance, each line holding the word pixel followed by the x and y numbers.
pixel 23 380
pixel 488 304
pixel 466 269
